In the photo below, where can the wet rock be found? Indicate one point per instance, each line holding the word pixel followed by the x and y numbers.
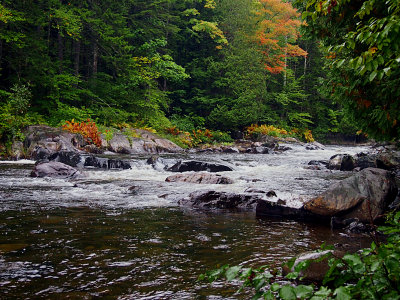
pixel 220 200
pixel 281 202
pixel 159 163
pixel 365 160
pixel 266 208
pixel 358 227
pixel 340 223
pixel 261 150
pixel 55 169
pixel 365 196
pixel 197 166
pixel 311 146
pixel 283 148
pixel 319 163
pixel 70 158
pixel 106 163
pixel 388 160
pixel 39 153
pixel 205 178
pixel 254 191
pixel 230 150
pixel 342 162
pixel 395 205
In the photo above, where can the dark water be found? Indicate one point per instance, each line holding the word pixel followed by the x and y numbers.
pixel 93 238
pixel 154 253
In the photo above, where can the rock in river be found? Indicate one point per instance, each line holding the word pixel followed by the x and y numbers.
pixel 55 169
pixel 364 195
pixel 212 199
pixel 205 178
pixel 196 166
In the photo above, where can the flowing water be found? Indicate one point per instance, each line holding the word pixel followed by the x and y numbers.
pixel 120 233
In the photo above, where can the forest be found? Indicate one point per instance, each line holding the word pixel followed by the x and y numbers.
pixel 180 66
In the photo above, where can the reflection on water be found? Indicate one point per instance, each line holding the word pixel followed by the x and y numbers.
pixel 153 253
pixel 99 237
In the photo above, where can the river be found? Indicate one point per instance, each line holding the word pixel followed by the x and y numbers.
pixel 120 233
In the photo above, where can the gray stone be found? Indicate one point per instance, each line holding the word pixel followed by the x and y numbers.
pixel 342 162
pixel 197 166
pixel 365 196
pixel 219 200
pixel 55 169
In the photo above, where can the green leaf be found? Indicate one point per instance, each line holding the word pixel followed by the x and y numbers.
pixel 373 75
pixel 232 272
pixel 342 293
pixel 287 293
pixel 275 287
pixel 292 275
pixel 303 291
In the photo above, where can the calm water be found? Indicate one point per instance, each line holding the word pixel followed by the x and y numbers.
pixel 95 238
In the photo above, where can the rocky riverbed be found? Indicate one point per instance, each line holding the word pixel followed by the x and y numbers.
pixel 144 226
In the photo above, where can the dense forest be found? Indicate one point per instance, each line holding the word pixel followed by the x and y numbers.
pixel 195 64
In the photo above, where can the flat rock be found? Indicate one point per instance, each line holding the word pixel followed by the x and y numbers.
pixel 55 169
pixel 204 178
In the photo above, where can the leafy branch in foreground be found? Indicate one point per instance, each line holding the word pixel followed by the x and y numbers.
pixel 372 273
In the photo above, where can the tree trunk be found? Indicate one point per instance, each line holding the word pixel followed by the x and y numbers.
pixel 77 52
pixel 1 51
pixel 60 51
pixel 95 58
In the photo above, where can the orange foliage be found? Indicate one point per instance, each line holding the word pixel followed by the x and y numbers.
pixel 87 129
pixel 278 29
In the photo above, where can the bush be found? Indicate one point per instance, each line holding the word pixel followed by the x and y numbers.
pixel 87 129
pixel 372 273
pixel 14 115
pixel 66 112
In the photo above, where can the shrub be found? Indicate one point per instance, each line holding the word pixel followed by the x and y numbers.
pixel 87 129
pixel 372 273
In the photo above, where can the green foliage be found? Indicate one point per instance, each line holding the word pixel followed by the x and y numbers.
pixel 65 113
pixel 14 115
pixel 361 41
pixel 372 273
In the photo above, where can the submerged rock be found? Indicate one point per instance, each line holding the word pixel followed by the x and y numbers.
pixel 212 199
pixel 365 196
pixel 198 166
pixel 55 169
pixel 205 178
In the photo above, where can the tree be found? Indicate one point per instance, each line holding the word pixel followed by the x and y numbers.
pixel 361 39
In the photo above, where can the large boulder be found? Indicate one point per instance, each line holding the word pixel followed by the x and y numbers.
pixel 197 166
pixel 364 195
pixel 205 178
pixel 221 200
pixel 55 169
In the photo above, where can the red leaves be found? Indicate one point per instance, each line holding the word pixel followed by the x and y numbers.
pixel 87 129
pixel 278 29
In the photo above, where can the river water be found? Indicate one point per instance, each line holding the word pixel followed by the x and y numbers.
pixel 120 233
